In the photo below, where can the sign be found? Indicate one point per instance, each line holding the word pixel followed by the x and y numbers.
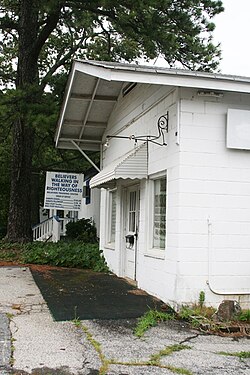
pixel 63 191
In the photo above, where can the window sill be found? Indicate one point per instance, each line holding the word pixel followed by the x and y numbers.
pixel 157 254
pixel 110 246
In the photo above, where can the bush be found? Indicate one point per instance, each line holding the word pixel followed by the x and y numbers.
pixel 64 254
pixel 81 230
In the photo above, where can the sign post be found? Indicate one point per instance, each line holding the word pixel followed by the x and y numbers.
pixel 63 191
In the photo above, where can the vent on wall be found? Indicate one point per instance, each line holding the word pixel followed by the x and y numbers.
pixel 129 87
pixel 238 129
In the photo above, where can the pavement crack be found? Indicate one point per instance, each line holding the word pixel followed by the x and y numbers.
pixel 153 361
pixel 189 338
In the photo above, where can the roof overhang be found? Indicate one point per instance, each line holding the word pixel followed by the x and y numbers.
pixel 93 89
pixel 133 165
pixel 88 102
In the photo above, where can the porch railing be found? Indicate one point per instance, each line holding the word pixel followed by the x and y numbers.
pixel 51 229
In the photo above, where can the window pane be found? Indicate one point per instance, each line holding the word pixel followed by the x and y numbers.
pixel 159 225
pixel 112 216
pixel 132 210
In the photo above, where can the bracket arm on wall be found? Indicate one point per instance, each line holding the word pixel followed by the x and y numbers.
pixel 85 155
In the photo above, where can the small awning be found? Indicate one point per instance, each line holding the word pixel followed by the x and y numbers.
pixel 133 165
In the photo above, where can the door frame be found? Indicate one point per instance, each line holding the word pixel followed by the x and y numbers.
pixel 124 222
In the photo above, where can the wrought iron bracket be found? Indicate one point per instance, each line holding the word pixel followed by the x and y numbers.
pixel 159 139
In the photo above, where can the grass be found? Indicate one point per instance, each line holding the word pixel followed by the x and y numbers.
pixel 198 315
pixel 153 361
pixel 245 316
pixel 241 355
pixel 97 346
pixel 155 358
pixel 150 319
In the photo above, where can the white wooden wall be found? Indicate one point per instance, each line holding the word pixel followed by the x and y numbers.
pixel 208 204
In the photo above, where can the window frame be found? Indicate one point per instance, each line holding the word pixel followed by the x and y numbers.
pixel 152 251
pixel 110 242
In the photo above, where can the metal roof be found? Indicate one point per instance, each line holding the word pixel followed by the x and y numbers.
pixel 93 89
pixel 133 165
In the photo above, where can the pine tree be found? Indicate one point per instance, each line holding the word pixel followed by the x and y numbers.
pixel 39 39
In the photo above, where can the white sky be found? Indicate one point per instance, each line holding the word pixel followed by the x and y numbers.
pixel 233 32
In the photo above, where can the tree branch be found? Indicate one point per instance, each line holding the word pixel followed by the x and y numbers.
pixel 62 61
pixel 50 25
pixel 88 7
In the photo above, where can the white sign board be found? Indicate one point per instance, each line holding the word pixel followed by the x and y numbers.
pixel 63 191
pixel 238 129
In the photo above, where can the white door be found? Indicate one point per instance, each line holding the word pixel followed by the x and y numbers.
pixel 131 231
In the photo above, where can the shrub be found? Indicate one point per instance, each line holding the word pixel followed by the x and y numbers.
pixel 66 254
pixel 81 230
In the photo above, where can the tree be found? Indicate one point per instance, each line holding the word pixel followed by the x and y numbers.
pixel 39 39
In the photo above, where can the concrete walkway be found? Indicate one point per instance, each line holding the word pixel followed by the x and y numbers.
pixel 39 345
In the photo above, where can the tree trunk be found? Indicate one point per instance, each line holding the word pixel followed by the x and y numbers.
pixel 19 220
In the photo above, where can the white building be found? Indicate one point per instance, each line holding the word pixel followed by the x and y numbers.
pixel 185 205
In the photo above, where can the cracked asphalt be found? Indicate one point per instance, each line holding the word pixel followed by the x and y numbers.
pixel 32 342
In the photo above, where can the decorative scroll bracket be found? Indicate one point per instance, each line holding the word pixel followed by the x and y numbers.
pixel 159 139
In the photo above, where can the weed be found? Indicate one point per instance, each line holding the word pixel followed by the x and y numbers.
pixel 155 358
pixel 241 355
pixel 178 370
pixel 201 299
pixel 150 319
pixel 76 319
pixel 97 346
pixel 153 361
pixel 244 316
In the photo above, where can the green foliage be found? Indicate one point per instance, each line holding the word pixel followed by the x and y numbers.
pixel 196 315
pixel 241 355
pixel 168 350
pixel 150 319
pixel 35 60
pixel 82 230
pixel 201 298
pixel 63 254
pixel 244 316
pixel 114 30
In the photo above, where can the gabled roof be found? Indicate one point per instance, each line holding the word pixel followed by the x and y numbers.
pixel 94 87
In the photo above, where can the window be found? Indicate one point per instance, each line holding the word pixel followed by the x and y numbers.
pixel 159 213
pixel 132 211
pixel 112 216
pixel 87 193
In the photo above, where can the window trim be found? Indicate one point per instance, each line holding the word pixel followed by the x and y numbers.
pixel 151 251
pixel 108 243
